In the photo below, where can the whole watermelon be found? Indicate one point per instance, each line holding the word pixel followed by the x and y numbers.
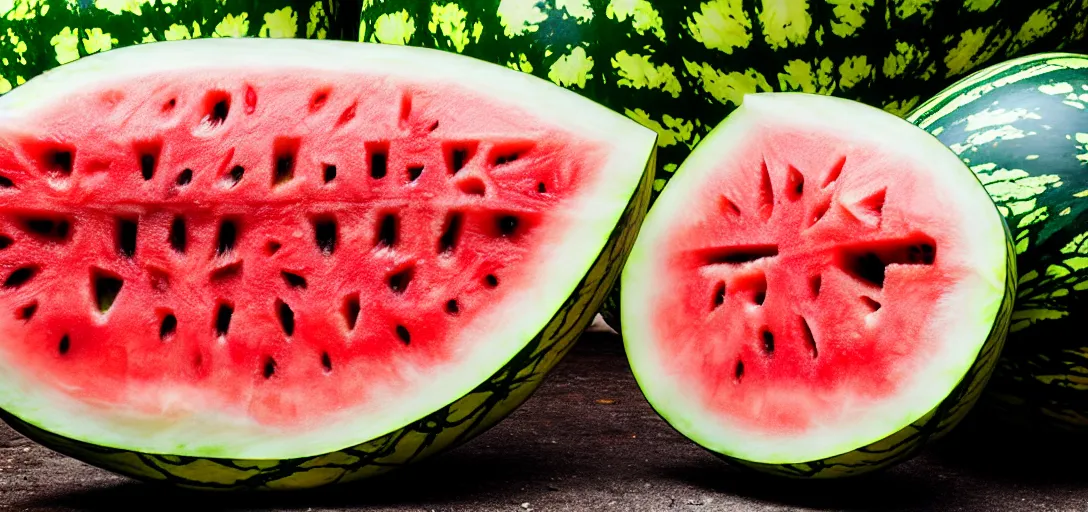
pixel 1022 126
pixel 36 35
pixel 680 66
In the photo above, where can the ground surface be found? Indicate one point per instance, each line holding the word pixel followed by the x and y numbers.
pixel 588 441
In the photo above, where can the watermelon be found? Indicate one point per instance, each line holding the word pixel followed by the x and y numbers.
pixel 820 291
pixel 245 263
pixel 1022 126
pixel 36 35
pixel 680 66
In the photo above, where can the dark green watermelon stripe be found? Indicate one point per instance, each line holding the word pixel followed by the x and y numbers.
pixel 38 35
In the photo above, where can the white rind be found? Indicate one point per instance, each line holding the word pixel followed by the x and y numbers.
pixel 487 344
pixel 969 309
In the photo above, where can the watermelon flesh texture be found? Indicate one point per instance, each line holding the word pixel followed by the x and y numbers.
pixel 823 289
pixel 279 254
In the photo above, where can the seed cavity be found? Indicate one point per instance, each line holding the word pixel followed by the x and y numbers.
pixel 326 362
pixel 399 281
pixel 819 211
pixel 504 159
pixel 806 332
pixel 149 158
pixel 507 224
pixel 20 276
pixel 65 345
pixel 451 234
pixel 272 247
pixel 871 209
pixel 414 172
pixel 217 107
pixel 107 287
pixel 223 314
pixel 869 262
pixel 286 317
pixel 225 272
pixel 351 310
pixel 227 237
pixel 51 229
pixel 387 230
pixel 472 186
pixel 738 373
pixel 870 303
pixel 126 237
pixel 458 155
pixel 325 234
pixel 179 238
pixel 727 206
pixel 795 185
pixel 766 192
pixel 452 307
pixel 719 295
pixel 319 99
pixel 184 178
pixel 347 115
pixel 768 341
pixel 269 368
pixel 286 151
pixel 835 171
pixel 457 160
pixel 404 335
pixel 379 159
pixel 329 173
pixel 236 174
pixel 168 326
pixel 814 284
pixel 293 280
pixel 739 254
pixel 59 161
pixel 26 312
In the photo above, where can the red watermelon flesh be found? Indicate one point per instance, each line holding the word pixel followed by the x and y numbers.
pixel 828 275
pixel 280 246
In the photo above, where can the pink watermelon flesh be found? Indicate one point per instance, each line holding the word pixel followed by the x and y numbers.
pixel 278 252
pixel 812 279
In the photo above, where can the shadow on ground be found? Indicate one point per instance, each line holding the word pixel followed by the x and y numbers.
pixel 459 477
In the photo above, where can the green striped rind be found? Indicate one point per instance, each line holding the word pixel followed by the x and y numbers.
pixel 1033 158
pixel 37 35
pixel 680 66
pixel 452 425
pixel 907 442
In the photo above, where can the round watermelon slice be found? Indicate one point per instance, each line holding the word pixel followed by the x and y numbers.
pixel 820 290
pixel 255 263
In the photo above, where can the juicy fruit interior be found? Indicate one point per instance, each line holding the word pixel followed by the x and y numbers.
pixel 820 276
pixel 260 251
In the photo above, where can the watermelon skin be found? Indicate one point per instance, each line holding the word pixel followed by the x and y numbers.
pixel 41 35
pixel 661 63
pixel 446 428
pixel 1035 166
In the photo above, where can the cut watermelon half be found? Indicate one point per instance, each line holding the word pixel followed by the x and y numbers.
pixel 821 289
pixel 256 249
